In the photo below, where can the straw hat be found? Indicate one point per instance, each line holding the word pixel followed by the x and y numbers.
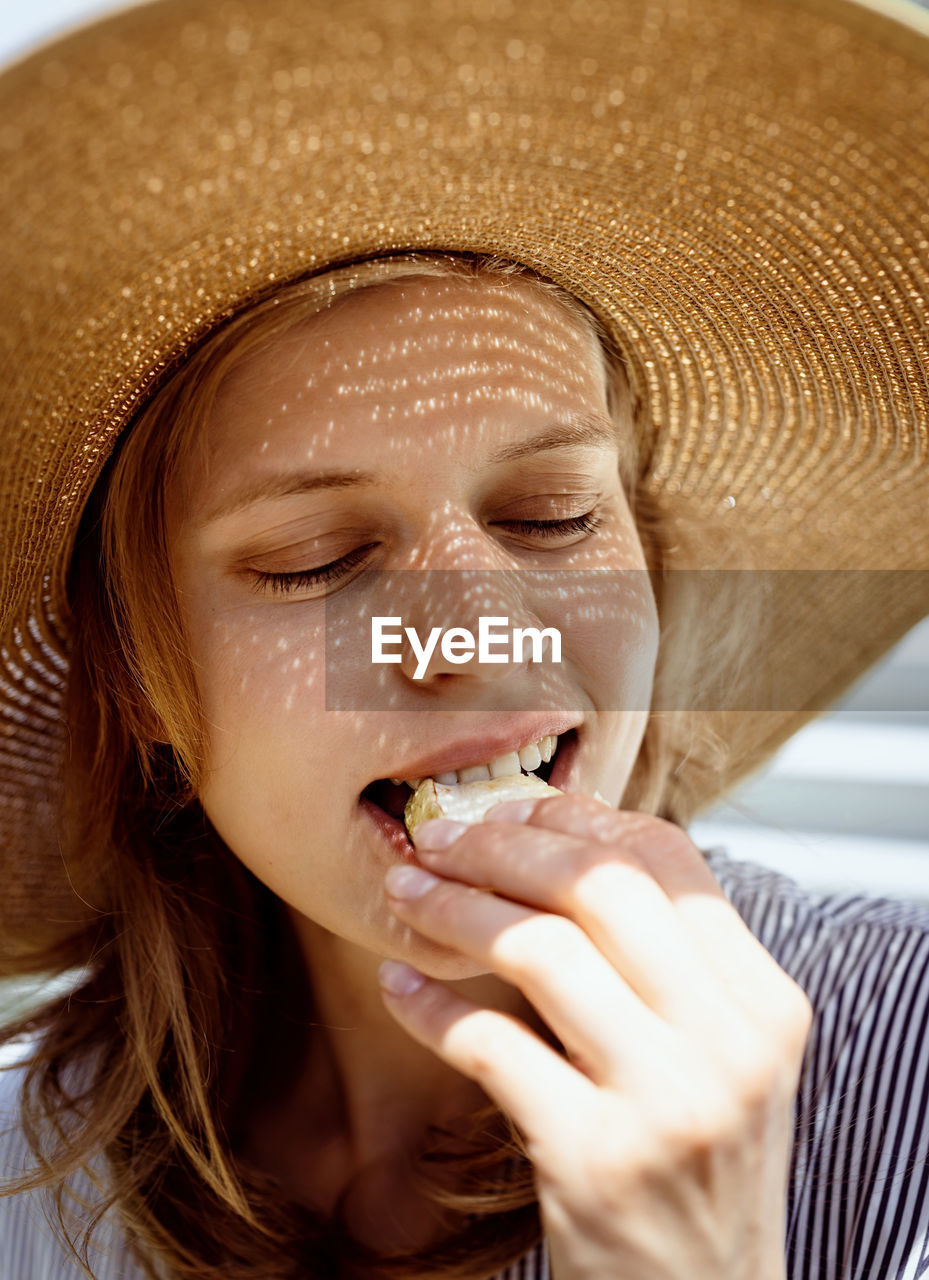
pixel 739 188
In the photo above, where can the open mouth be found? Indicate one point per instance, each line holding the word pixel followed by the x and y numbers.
pixel 392 798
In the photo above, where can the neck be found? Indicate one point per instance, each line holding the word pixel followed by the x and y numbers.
pixel 387 1088
pixel 364 1103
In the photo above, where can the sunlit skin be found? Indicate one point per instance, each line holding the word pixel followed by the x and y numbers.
pixel 660 1137
pixel 420 384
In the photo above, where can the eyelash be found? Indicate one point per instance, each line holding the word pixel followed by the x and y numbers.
pixel 282 583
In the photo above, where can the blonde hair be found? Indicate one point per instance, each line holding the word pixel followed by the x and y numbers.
pixel 192 961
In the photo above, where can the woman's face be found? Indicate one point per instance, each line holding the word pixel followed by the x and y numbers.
pixel 446 395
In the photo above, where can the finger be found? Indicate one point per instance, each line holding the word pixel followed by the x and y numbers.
pixel 584 1000
pixel 739 963
pixel 614 901
pixel 754 981
pixel 544 1095
pixel 663 848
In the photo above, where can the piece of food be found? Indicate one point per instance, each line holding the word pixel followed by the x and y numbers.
pixel 469 801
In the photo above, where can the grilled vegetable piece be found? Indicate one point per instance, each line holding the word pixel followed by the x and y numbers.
pixel 469 801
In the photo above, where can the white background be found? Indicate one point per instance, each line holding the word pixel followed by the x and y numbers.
pixel 845 805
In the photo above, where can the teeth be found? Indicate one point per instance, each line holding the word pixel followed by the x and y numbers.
pixel 477 773
pixel 508 766
pixel 504 766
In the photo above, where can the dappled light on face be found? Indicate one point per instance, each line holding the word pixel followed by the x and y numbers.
pixel 437 452
pixel 546 635
pixel 429 365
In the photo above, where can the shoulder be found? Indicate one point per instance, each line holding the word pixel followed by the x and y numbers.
pixel 825 941
pixel 29 1244
pixel 862 961
pixel 859 1179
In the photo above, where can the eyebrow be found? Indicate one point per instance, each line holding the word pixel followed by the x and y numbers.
pixel 584 430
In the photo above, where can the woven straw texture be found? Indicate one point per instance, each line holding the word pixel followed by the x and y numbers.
pixel 739 188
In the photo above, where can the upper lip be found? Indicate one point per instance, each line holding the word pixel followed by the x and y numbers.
pixel 484 747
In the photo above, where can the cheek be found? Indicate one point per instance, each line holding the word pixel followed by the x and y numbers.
pixel 621 646
pixel 266 789
pixel 256 672
pixel 263 697
pixel 611 622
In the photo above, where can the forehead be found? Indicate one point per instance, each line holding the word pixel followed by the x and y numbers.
pixel 457 330
pixel 467 368
pixel 458 365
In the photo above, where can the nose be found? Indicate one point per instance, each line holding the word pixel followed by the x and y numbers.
pixel 471 624
pixel 464 627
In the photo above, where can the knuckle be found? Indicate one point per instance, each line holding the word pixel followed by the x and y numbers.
pixel 487 840
pixel 443 904
pixel 705 1124
pixel 476 844
pixel 672 846
pixel 542 941
pixel 549 805
pixel 755 1062
pixel 764 1073
pixel 802 1013
pixel 611 1178
pixel 797 1041
pixel 756 1088
pixel 673 835
pixel 480 1044
pixel 793 1016
pixel 599 874
pixel 579 814
pixel 660 842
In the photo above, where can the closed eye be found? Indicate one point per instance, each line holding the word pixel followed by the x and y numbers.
pixel 303 579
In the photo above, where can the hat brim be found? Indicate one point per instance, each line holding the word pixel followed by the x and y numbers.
pixel 740 195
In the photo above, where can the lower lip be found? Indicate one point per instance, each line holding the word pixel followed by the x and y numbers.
pixel 394 831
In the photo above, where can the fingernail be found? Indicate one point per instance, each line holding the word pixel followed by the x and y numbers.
pixel 598 796
pixel 438 833
pixel 510 811
pixel 398 978
pixel 409 882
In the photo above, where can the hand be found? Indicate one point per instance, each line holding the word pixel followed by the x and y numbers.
pixel 661 1146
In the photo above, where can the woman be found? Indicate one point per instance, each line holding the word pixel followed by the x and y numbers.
pixel 581 1058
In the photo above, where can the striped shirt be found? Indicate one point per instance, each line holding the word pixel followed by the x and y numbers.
pixel 858 1188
